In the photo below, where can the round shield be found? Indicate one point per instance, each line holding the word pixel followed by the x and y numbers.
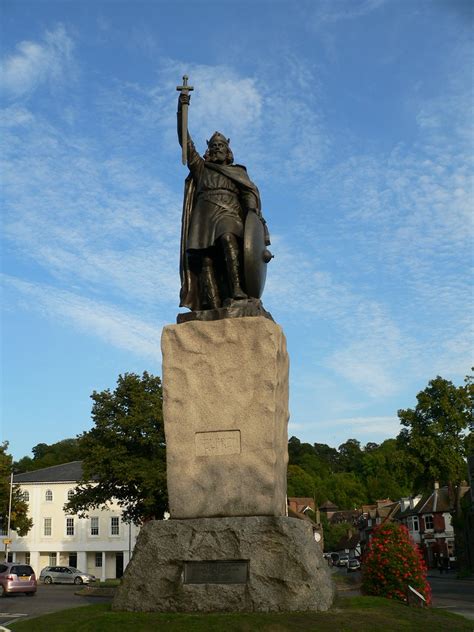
pixel 256 256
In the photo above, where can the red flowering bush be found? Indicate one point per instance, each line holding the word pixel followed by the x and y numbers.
pixel 391 562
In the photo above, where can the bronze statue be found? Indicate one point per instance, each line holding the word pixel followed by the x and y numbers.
pixel 224 236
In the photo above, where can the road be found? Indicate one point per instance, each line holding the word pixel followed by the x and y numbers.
pixel 47 599
pixel 456 595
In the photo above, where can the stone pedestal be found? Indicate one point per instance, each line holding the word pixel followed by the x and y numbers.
pixel 258 564
pixel 225 407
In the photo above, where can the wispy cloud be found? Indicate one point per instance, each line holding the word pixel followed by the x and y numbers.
pixel 35 63
pixel 96 223
pixel 117 327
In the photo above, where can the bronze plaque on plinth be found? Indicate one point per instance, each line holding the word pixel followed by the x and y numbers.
pixel 216 572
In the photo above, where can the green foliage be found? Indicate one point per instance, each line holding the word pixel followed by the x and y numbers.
pixel 19 520
pixel 125 451
pixel 391 563
pixel 435 432
pixel 333 533
pixel 45 455
pixel 300 483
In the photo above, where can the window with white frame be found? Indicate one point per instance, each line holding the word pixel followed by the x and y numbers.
pixel 413 523
pixel 47 527
pixel 53 559
pixel 70 494
pixel 98 560
pixel 94 525
pixel 26 496
pixel 69 526
pixel 48 496
pixel 114 525
pixel 429 524
pixel 27 557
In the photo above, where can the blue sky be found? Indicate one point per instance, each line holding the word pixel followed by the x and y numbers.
pixel 353 117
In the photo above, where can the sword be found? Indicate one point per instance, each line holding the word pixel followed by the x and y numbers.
pixel 185 89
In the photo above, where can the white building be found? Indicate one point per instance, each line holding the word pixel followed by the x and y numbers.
pixel 100 544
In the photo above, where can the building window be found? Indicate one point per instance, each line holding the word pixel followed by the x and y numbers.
pixel 429 526
pixel 26 496
pixel 95 525
pixel 52 559
pixel 73 560
pixel 98 560
pixel 413 523
pixel 48 496
pixel 69 526
pixel 47 527
pixel 114 525
pixel 70 494
pixel 27 557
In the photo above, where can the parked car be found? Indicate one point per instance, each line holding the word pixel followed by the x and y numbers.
pixel 17 578
pixel 353 565
pixel 343 560
pixel 65 575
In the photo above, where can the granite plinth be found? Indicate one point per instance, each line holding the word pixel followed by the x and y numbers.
pixel 225 409
pixel 252 564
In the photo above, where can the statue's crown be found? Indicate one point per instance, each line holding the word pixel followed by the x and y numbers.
pixel 218 136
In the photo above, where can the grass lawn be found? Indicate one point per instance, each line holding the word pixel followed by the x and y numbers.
pixel 349 614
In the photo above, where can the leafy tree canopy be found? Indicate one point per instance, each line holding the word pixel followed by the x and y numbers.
pixel 19 520
pixel 125 452
pixel 435 432
pixel 45 455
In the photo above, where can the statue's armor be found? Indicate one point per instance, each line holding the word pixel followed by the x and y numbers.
pixel 217 208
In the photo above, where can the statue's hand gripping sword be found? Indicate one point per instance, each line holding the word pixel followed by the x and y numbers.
pixel 184 89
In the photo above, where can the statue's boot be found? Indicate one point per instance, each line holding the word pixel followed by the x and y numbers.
pixel 231 256
pixel 210 284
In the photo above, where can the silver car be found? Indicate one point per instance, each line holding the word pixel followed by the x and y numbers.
pixel 65 575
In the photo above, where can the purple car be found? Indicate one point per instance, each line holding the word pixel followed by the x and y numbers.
pixel 17 578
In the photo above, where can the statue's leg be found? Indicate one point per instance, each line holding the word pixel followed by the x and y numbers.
pixel 209 283
pixel 232 261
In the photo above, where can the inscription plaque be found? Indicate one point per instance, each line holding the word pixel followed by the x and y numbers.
pixel 217 443
pixel 216 572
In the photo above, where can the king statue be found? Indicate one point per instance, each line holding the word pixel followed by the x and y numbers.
pixel 224 236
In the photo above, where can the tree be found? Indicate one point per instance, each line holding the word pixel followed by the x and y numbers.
pixel 300 484
pixel 350 456
pixel 387 470
pixel 391 562
pixel 435 433
pixel 45 455
pixel 125 453
pixel 19 520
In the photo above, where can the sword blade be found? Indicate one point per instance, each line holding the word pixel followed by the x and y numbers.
pixel 184 127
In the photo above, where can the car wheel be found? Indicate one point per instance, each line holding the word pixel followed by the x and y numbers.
pixel 48 580
pixel 2 591
pixel 30 594
pixel 78 580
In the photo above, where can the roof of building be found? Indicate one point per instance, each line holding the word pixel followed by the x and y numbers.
pixel 66 472
pixel 328 505
pixel 439 500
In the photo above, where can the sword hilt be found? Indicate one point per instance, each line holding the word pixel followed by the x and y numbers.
pixel 184 88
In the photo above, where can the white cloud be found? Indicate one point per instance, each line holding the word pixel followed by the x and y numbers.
pixel 117 327
pixel 35 63
pixel 378 425
pixel 103 225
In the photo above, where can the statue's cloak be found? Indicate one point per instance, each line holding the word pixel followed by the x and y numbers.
pixel 189 295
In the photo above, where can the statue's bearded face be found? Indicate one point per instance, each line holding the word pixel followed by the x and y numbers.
pixel 217 151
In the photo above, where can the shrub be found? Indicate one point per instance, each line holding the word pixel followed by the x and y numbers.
pixel 391 562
